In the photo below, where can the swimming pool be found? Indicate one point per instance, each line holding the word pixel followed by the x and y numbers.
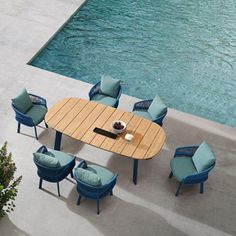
pixel 182 50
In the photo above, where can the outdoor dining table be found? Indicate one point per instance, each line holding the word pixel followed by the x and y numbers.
pixel 77 118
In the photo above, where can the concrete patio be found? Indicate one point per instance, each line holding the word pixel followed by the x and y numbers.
pixel 150 208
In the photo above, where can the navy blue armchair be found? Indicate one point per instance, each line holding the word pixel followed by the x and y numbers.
pixel 29 110
pixel 96 95
pixel 141 109
pixel 87 190
pixel 53 166
pixel 185 165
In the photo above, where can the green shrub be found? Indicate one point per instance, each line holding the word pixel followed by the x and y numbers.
pixel 8 184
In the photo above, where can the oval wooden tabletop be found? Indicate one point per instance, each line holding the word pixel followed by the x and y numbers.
pixel 77 117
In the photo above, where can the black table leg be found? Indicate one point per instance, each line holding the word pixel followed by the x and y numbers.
pixel 135 171
pixel 57 144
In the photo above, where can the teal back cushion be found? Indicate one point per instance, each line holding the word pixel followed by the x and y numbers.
pixel 46 160
pixel 157 107
pixel 22 102
pixel 88 177
pixel 109 86
pixel 203 157
pixel 105 174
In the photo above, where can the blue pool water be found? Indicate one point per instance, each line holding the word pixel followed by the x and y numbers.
pixel 182 50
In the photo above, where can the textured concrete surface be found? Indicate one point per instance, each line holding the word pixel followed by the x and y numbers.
pixel 150 208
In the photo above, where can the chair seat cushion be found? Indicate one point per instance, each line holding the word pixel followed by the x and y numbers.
pixel 203 158
pixel 104 99
pixel 157 108
pixel 22 102
pixel 143 114
pixel 37 113
pixel 63 158
pixel 105 174
pixel 87 176
pixel 46 160
pixel 109 86
pixel 182 166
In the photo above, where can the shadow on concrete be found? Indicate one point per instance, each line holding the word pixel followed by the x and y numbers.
pixel 218 201
pixel 118 217
pixel 7 228
pixel 68 144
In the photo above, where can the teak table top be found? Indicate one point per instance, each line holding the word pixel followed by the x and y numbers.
pixel 77 117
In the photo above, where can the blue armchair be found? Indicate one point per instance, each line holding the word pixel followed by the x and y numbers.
pixel 154 110
pixel 191 165
pixel 93 182
pixel 29 110
pixel 53 166
pixel 107 91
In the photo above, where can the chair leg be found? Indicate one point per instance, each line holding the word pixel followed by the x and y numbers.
pixel 202 187
pixel 78 201
pixel 98 207
pixel 35 130
pixel 18 128
pixel 58 189
pixel 171 174
pixel 178 189
pixel 111 193
pixel 40 183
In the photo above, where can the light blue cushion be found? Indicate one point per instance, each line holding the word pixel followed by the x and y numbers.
pixel 22 102
pixel 49 154
pixel 46 160
pixel 106 100
pixel 203 157
pixel 37 113
pixel 109 86
pixel 182 166
pixel 143 114
pixel 105 174
pixel 62 157
pixel 157 107
pixel 87 177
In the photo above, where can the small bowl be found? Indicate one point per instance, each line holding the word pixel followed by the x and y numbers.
pixel 118 131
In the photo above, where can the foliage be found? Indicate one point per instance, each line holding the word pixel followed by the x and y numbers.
pixel 8 184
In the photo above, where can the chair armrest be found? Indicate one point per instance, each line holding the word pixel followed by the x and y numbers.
pixel 142 105
pixel 94 90
pixel 198 177
pixel 82 164
pixel 42 149
pixel 160 118
pixel 22 118
pixel 37 100
pixel 185 151
pixel 119 93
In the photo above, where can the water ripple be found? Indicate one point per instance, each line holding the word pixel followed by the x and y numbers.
pixel 183 50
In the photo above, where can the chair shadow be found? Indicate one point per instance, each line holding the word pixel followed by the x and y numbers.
pixel 118 217
pixel 61 197
pixel 68 144
pixel 27 129
pixel 7 228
